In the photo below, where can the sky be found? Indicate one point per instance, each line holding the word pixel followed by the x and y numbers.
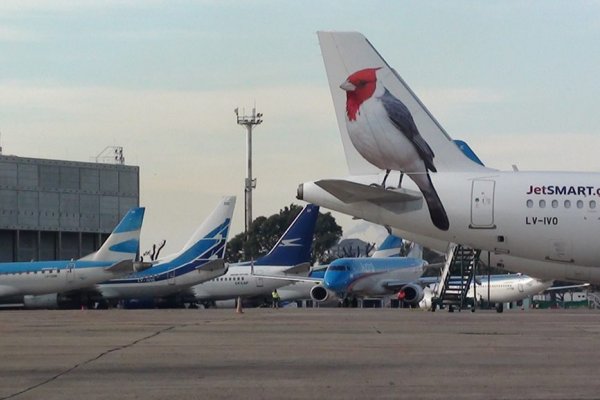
pixel 517 80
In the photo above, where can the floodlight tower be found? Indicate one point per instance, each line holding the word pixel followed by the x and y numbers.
pixel 249 121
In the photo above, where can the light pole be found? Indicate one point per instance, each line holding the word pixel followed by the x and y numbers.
pixel 249 121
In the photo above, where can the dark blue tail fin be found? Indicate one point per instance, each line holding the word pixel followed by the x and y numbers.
pixel 293 247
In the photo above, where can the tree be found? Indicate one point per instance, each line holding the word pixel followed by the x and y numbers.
pixel 265 232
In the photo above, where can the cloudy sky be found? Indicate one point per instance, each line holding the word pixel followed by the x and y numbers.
pixel 518 81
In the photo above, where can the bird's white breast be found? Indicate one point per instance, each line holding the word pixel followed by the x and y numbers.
pixel 379 141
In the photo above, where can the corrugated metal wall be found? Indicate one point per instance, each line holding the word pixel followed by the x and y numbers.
pixel 51 209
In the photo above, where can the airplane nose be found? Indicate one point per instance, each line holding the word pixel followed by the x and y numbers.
pixel 300 192
pixel 334 281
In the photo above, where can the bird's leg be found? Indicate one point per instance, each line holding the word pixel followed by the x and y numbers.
pixel 387 172
pixel 400 181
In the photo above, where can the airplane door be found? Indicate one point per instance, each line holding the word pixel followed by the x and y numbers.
pixel 520 286
pixel 171 277
pixel 259 282
pixel 482 204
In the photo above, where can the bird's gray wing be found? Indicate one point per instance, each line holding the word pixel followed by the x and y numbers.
pixel 403 120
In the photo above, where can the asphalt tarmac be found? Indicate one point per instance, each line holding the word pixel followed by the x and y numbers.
pixel 299 354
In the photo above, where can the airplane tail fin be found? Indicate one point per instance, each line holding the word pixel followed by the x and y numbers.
pixel 124 241
pixel 210 239
pixel 390 247
pixel 294 246
pixel 415 251
pixel 347 52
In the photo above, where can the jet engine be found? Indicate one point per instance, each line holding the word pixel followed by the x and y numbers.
pixel 52 301
pixel 411 294
pixel 319 293
pixel 44 301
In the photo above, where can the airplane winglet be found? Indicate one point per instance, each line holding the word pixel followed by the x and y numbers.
pixel 352 192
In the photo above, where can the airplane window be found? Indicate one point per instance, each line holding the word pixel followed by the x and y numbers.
pixel 567 203
pixel 579 204
pixel 554 203
pixel 529 203
pixel 592 204
pixel 542 203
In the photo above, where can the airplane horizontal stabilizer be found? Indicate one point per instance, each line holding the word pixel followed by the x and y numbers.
pixel 213 265
pixel 352 192
pixel 298 269
pixel 121 268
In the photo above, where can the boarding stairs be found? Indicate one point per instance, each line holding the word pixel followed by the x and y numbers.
pixel 456 278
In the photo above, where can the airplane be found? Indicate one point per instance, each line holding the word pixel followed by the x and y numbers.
pixel 38 282
pixel 200 259
pixel 301 290
pixel 350 278
pixel 543 224
pixel 505 288
pixel 290 255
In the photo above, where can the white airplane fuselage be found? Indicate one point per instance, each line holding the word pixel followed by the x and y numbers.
pixel 43 277
pixel 544 224
pixel 159 285
pixel 240 282
pixel 501 289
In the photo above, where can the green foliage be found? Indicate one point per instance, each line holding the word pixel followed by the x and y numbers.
pixel 265 232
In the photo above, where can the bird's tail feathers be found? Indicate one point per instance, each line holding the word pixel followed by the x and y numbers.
pixel 434 204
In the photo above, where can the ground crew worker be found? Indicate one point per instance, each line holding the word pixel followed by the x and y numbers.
pixel 276 297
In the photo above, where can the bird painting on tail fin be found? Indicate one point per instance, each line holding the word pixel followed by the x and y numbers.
pixel 384 132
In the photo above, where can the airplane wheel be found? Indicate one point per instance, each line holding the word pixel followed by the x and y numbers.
pixel 450 308
pixel 499 307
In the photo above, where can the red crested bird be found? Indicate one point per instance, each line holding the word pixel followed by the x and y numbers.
pixel 383 131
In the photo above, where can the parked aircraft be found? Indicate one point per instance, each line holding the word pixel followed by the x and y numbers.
pixel 502 289
pixel 541 223
pixel 199 260
pixel 349 278
pixel 301 290
pixel 290 255
pixel 39 281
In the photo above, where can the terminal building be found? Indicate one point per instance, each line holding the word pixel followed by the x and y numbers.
pixel 61 210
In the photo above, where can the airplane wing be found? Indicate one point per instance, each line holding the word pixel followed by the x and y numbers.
pixel 293 278
pixel 121 268
pixel 298 269
pixel 554 288
pixel 125 267
pixel 396 285
pixel 212 265
pixel 352 192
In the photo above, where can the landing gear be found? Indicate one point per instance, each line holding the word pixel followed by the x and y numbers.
pixel 499 307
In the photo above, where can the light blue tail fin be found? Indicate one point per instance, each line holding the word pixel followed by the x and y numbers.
pixel 124 242
pixel 390 247
pixel 294 246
